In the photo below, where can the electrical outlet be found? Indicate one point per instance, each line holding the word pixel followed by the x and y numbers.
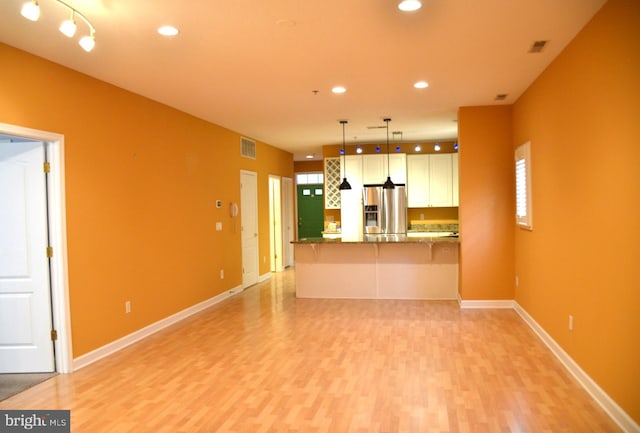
pixel 570 322
pixel 127 307
pixel 222 274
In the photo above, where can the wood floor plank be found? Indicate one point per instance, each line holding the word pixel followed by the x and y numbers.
pixel 264 361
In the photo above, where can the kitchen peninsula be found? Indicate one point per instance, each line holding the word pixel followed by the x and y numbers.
pixel 377 267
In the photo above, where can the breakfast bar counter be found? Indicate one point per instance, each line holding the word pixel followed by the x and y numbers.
pixel 377 267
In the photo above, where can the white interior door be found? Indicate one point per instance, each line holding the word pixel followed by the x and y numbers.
pixel 287 215
pixel 25 297
pixel 249 223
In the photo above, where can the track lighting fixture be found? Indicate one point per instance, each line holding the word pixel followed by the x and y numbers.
pixel 31 11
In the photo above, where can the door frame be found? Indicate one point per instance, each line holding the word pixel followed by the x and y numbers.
pixel 276 253
pixel 288 220
pixel 57 221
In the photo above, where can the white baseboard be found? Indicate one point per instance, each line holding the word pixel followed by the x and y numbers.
pixel 127 340
pixel 599 395
pixel 264 277
pixel 498 303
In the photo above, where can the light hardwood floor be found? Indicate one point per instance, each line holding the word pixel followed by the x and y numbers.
pixel 264 361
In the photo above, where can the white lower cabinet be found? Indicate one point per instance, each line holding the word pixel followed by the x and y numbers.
pixel 431 181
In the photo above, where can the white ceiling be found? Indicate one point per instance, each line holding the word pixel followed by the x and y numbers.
pixel 253 66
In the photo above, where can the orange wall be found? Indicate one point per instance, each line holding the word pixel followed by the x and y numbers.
pixel 487 203
pixel 582 256
pixel 141 184
pixel 308 166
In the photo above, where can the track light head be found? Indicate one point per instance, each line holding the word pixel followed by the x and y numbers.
pixel 87 42
pixel 31 10
pixel 68 27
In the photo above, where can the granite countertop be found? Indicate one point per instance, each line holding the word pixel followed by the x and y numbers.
pixel 379 239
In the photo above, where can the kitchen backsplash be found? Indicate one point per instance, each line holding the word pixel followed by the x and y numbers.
pixel 433 227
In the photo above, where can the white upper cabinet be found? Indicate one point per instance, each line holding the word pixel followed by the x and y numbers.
pixel 353 171
pixel 418 181
pixel 375 168
pixel 440 180
pixel 398 168
pixel 431 180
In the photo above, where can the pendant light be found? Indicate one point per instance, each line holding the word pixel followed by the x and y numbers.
pixel 345 183
pixel 388 184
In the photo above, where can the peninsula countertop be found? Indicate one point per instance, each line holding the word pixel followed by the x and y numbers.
pixel 377 267
pixel 380 239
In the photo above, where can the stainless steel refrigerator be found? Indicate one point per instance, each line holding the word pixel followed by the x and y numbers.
pixel 385 210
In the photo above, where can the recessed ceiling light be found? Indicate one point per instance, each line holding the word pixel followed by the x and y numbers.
pixel 409 5
pixel 168 31
pixel 421 85
pixel 338 89
pixel 309 156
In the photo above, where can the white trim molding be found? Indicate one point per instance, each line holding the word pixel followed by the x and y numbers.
pixel 599 395
pixel 264 277
pixel 617 414
pixel 497 303
pixel 58 238
pixel 127 340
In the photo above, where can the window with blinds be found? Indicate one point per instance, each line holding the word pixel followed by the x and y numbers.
pixel 524 216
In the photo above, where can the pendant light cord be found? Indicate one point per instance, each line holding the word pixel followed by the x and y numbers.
pixel 388 184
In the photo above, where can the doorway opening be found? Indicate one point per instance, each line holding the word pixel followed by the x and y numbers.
pixel 56 219
pixel 310 199
pixel 275 224
pixel 287 215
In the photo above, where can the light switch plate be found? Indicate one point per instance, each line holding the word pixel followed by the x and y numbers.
pixel 218 226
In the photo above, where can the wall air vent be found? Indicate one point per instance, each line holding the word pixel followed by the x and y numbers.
pixel 247 148
pixel 538 46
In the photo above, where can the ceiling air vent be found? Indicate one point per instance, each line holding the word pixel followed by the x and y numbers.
pixel 538 46
pixel 501 96
pixel 247 148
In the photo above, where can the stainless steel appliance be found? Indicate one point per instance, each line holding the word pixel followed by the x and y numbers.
pixel 372 205
pixel 385 210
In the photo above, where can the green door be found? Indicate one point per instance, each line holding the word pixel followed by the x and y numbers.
pixel 310 211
